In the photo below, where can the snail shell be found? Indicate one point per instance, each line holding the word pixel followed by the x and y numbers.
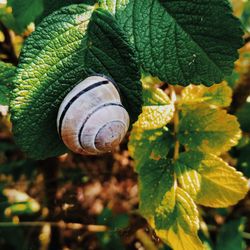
pixel 91 118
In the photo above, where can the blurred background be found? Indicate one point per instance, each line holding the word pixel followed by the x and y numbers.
pixel 74 202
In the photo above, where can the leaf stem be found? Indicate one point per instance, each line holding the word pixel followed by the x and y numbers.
pixel 176 123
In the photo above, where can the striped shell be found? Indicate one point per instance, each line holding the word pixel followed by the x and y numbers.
pixel 91 119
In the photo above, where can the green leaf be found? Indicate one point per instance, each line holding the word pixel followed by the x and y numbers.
pixel 181 42
pixel 8 20
pixel 208 129
pixel 69 45
pixel 219 95
pixel 109 52
pixel 26 11
pixel 113 221
pixel 245 18
pixel 110 239
pixel 230 236
pixel 182 234
pixel 4 95
pixel 52 5
pixel 209 180
pixel 156 182
pixel 233 79
pixel 7 73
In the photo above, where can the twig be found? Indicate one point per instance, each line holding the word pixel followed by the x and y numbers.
pixel 60 224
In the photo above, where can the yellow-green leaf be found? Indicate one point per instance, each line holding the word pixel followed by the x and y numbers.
pixel 178 239
pixel 156 178
pixel 150 81
pixel 219 95
pixel 158 109
pixel 151 144
pixel 20 203
pixel 208 129
pixel 182 234
pixel 149 138
pixel 154 117
pixel 152 95
pixel 209 180
pixel 30 207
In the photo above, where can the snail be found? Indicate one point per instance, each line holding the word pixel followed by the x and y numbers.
pixel 91 119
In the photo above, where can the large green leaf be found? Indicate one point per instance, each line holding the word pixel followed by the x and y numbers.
pixel 70 44
pixel 181 42
pixel 209 180
pixel 7 73
pixel 52 5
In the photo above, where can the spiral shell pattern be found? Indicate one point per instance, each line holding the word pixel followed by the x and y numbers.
pixel 91 119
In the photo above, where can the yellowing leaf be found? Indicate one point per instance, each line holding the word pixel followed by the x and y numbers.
pixel 158 110
pixel 151 144
pixel 207 129
pixel 154 117
pixel 209 180
pixel 150 81
pixel 149 139
pixel 178 239
pixel 182 234
pixel 155 96
pixel 219 95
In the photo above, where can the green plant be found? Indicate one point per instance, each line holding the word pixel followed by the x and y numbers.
pixel 178 139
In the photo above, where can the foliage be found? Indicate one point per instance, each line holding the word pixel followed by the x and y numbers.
pixel 231 235
pixel 185 140
pixel 25 12
pixel 181 45
pixel 7 73
pixel 171 183
pixel 82 44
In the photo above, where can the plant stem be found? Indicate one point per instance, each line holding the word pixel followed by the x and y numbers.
pixel 177 143
pixel 176 123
